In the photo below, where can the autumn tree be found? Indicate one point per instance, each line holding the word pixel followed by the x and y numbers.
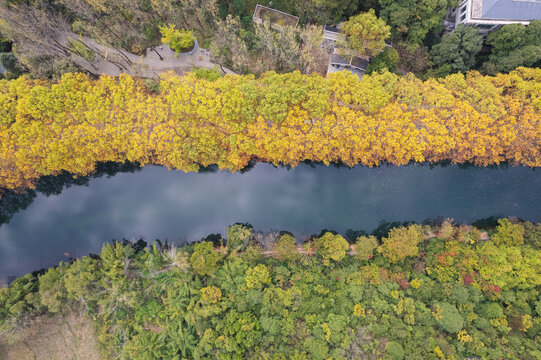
pixel 332 246
pixel 402 243
pixel 364 35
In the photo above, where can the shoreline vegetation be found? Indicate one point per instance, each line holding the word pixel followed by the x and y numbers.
pixel 412 292
pixel 184 123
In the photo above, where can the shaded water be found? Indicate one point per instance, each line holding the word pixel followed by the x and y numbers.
pixel 156 203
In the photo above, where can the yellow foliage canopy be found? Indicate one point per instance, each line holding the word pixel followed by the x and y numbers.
pixel 73 124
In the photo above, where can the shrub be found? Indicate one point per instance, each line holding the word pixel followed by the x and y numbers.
pixel 365 246
pixel 332 246
pixel 449 319
pixel 285 249
pixel 208 74
pixel 508 234
pixel 178 40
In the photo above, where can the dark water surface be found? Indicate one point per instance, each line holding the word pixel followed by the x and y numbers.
pixel 157 203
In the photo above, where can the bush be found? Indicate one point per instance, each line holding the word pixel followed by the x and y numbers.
pixel 395 350
pixel 449 318
pixel 208 74
pixel 508 234
pixel 178 40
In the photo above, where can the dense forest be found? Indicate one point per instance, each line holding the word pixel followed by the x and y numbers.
pixel 416 292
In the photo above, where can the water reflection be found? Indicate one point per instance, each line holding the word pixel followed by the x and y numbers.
pixel 157 203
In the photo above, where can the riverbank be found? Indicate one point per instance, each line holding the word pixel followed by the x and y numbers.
pixel 407 293
pixel 155 203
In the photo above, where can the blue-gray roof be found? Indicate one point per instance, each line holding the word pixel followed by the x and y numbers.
pixel 511 9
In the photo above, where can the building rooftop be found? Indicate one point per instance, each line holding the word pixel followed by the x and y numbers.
pixel 275 17
pixel 523 10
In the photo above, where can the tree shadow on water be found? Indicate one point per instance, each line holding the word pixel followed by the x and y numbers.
pixel 12 201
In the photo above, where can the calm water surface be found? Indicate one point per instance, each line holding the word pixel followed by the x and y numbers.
pixel 157 203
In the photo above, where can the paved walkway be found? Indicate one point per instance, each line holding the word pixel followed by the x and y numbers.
pixel 158 59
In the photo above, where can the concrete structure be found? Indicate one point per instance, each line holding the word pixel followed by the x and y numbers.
pixel 489 15
pixel 276 18
pixel 356 65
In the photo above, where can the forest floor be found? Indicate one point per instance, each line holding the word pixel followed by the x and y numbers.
pixel 67 336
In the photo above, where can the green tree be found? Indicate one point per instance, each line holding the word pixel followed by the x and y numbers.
pixel 414 19
pixel 178 40
pixel 51 289
pixel 532 234
pixel 395 350
pixel 205 260
pixel 285 249
pixel 508 234
pixel 257 276
pixel 238 237
pixel 365 35
pixel 332 246
pixel 387 59
pixel 13 68
pixel 514 45
pixel 458 48
pixel 448 318
pixel 365 246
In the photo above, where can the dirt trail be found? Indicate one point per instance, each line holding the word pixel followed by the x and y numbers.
pixel 62 337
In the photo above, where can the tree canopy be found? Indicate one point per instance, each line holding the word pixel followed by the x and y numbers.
pixel 187 122
pixel 458 48
pixel 449 297
pixel 365 34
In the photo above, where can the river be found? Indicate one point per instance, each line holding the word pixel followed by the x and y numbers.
pixel 155 203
